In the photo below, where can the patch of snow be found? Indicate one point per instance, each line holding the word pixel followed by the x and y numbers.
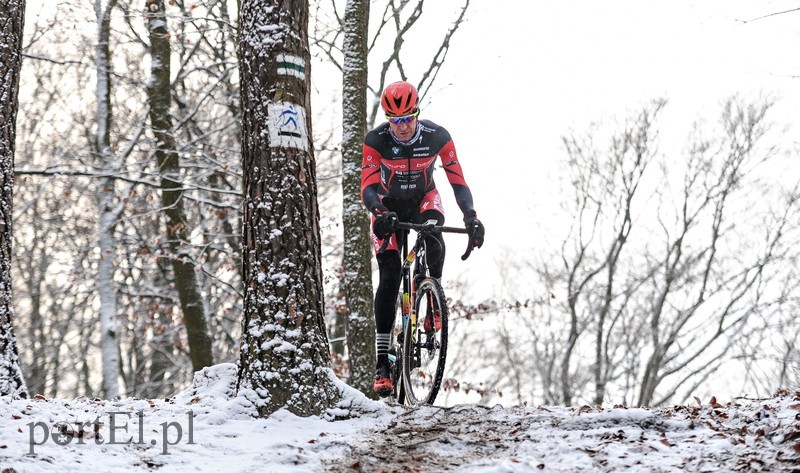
pixel 211 427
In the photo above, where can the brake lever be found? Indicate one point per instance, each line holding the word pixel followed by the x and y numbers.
pixel 470 247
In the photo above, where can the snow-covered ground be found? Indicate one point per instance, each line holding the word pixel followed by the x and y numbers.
pixel 203 429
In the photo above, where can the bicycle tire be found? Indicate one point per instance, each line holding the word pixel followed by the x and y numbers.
pixel 425 351
pixel 397 374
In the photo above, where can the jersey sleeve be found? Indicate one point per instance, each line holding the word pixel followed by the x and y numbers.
pixel 454 173
pixel 370 177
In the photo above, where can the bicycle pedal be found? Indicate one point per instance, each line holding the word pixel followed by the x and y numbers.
pixel 384 392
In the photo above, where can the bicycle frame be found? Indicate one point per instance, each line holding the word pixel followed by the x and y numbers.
pixel 416 257
pixel 417 254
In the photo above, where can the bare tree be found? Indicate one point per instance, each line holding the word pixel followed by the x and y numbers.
pixel 177 225
pixel 769 351
pixel 605 186
pixel 667 297
pixel 285 356
pixel 357 245
pixel 58 177
pixel 12 21
pixel 675 267
pixel 720 254
pixel 109 209
pixel 56 265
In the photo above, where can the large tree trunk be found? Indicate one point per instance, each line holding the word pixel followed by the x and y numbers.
pixel 12 21
pixel 284 356
pixel 357 245
pixel 177 228
pixel 107 208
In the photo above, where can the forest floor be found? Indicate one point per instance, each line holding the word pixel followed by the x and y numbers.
pixel 205 428
pixel 746 435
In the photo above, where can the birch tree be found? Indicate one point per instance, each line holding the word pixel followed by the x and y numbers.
pixel 108 207
pixel 284 356
pixel 169 167
pixel 12 21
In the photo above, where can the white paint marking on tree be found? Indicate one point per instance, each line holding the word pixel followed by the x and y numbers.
pixel 287 126
pixel 291 66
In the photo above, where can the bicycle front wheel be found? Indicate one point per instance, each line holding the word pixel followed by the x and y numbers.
pixel 399 391
pixel 425 344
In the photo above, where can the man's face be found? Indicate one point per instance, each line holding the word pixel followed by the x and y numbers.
pixel 404 127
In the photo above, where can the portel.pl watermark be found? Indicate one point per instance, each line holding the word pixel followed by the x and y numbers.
pixel 64 433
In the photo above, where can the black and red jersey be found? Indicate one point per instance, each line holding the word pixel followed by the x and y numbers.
pixel 404 170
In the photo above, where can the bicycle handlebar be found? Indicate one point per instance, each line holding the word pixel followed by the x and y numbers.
pixel 430 228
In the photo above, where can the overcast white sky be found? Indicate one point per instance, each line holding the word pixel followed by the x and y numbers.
pixel 521 73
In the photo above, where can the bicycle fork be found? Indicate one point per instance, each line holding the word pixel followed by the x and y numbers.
pixel 410 289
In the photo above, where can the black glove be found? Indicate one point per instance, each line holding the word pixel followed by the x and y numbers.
pixel 385 223
pixel 475 228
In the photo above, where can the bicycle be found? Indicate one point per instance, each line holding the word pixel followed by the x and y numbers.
pixel 419 354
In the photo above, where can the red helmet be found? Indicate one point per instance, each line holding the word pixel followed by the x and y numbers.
pixel 399 98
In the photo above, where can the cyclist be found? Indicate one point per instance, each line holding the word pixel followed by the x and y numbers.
pixel 397 185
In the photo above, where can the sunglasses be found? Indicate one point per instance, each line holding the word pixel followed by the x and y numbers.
pixel 403 119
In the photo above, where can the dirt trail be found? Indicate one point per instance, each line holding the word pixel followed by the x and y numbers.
pixel 425 439
pixel 757 435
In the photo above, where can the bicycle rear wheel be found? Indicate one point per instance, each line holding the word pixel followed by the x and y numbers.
pixel 424 347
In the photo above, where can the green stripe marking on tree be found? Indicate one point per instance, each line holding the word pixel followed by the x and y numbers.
pixel 290 65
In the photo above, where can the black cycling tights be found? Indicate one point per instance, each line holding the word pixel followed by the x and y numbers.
pixel 389 268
